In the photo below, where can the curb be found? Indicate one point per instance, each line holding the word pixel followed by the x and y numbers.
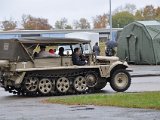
pixel 145 75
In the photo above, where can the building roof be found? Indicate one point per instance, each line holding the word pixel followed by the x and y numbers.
pixel 49 40
pixel 57 31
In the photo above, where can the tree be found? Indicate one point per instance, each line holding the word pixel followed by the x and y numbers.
pixel 122 18
pixel 128 7
pixel 158 13
pixel 32 23
pixel 118 9
pixel 149 13
pixel 68 27
pixel 9 25
pixel 62 24
pixel 139 15
pixel 82 24
pixel 100 21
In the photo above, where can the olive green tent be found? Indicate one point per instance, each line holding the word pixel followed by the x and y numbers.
pixel 139 42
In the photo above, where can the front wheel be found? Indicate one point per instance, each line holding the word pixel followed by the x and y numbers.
pixel 120 80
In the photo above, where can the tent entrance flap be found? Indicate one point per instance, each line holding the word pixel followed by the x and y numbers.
pixel 132 48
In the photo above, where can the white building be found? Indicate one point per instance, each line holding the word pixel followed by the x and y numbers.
pixel 103 33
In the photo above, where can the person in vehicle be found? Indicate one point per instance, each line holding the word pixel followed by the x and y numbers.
pixel 61 51
pixel 44 53
pixel 76 57
pixel 35 54
pixel 51 51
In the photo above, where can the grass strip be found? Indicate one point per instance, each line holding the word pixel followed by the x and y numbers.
pixel 146 100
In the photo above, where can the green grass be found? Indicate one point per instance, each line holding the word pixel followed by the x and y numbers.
pixel 146 100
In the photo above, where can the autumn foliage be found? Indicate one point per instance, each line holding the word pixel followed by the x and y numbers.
pixel 120 17
pixel 100 21
pixel 32 23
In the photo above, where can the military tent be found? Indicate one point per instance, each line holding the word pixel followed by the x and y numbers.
pixel 139 42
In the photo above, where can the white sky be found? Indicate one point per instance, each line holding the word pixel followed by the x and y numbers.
pixel 71 9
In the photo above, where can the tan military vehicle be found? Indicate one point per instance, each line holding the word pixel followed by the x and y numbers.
pixel 23 72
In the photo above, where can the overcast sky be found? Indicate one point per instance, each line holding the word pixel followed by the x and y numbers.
pixel 70 9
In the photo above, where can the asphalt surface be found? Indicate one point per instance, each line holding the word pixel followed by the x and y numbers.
pixel 31 108
pixel 141 84
pixel 144 70
pixel 25 108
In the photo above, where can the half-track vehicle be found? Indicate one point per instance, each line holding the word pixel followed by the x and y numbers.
pixel 24 73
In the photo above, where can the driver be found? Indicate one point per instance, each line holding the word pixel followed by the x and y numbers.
pixel 76 57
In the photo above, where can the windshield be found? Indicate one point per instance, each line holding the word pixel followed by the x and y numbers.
pixel 67 48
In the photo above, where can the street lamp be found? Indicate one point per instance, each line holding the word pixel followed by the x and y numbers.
pixel 110 20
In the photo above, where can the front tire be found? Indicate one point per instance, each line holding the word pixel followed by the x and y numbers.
pixel 120 80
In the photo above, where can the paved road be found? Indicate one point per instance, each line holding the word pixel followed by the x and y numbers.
pixel 141 84
pixel 145 70
pixel 25 108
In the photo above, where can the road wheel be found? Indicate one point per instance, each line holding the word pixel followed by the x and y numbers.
pixel 80 84
pixel 91 79
pixel 120 80
pixel 62 85
pixel 31 84
pixel 45 86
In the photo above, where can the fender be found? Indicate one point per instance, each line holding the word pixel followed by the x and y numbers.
pixel 19 78
pixel 119 64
